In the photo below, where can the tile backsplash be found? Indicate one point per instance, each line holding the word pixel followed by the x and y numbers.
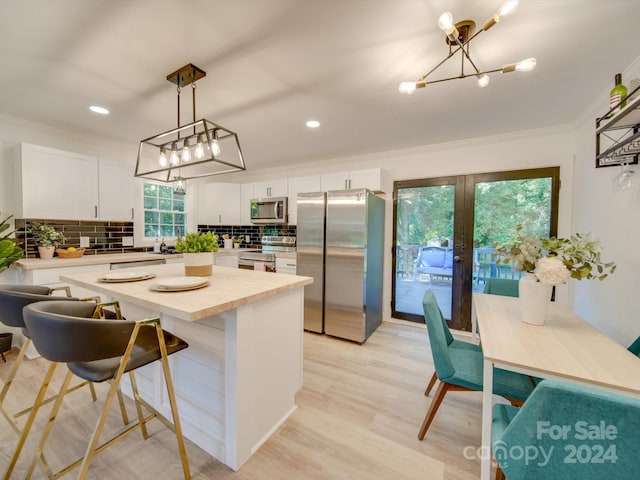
pixel 255 232
pixel 104 237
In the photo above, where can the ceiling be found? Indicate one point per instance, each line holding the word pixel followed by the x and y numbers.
pixel 273 64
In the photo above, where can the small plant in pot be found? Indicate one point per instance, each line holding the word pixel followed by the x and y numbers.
pixel 197 250
pixel 9 251
pixel 46 238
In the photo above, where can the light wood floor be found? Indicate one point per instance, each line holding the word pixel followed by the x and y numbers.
pixel 359 413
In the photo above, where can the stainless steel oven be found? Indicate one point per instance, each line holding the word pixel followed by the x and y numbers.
pixel 270 246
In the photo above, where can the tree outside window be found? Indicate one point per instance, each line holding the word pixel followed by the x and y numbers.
pixel 163 211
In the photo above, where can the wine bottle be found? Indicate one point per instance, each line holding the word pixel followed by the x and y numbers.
pixel 617 95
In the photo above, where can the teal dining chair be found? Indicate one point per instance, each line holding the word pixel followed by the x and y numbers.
pixel 635 347
pixel 567 431
pixel 502 286
pixel 460 368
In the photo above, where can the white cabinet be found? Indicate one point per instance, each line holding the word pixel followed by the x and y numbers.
pixel 246 195
pixel 218 204
pixel 55 184
pixel 300 185
pixel 272 188
pixel 370 178
pixel 226 260
pixel 115 191
pixel 286 265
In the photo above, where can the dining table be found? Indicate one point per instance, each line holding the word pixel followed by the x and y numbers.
pixel 566 347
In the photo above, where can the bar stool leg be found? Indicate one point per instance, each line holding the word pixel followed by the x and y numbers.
pixel 32 415
pixel 5 389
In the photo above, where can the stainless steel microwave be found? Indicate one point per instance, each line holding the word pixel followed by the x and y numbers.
pixel 269 210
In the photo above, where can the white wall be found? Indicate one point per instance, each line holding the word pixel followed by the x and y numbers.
pixel 613 306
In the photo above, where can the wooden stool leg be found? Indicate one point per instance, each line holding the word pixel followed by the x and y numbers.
pixel 433 408
pixel 500 474
pixel 432 382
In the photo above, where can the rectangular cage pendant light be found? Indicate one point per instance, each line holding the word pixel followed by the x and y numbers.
pixel 199 149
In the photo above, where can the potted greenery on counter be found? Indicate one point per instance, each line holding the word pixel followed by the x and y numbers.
pixel 197 249
pixel 9 250
pixel 46 238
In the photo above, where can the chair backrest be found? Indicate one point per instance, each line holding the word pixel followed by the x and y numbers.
pixel 63 331
pixel 635 347
pixel 432 257
pixel 575 431
pixel 502 286
pixel 13 298
pixel 439 336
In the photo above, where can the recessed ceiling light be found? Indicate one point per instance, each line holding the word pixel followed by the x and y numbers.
pixel 100 110
pixel 313 123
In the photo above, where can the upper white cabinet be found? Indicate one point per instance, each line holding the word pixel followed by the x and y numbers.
pixel 246 195
pixel 300 185
pixel 219 204
pixel 370 178
pixel 116 191
pixel 55 184
pixel 272 188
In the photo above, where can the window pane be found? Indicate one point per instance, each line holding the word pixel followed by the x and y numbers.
pixel 166 218
pixel 150 189
pixel 164 211
pixel 178 205
pixel 164 204
pixel 150 230
pixel 166 230
pixel 150 203
pixel 150 217
pixel 179 220
pixel 165 192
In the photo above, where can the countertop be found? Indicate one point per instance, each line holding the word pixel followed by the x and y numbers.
pixel 228 289
pixel 106 259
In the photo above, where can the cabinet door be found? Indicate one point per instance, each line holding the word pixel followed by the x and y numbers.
pixel 370 178
pixel 115 190
pixel 246 195
pixel 58 184
pixel 334 181
pixel 209 209
pixel 273 188
pixel 229 197
pixel 300 185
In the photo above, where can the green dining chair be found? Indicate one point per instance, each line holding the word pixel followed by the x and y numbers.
pixel 501 286
pixel 460 368
pixel 635 347
pixel 566 432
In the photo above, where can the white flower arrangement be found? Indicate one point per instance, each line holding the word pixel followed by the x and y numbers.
pixel 555 260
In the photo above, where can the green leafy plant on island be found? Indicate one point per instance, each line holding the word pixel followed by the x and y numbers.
pixel 46 235
pixel 9 250
pixel 197 242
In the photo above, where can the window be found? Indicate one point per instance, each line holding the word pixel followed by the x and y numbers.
pixel 163 211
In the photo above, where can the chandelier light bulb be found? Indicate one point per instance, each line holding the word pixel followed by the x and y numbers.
pixel 186 151
pixel 162 160
pixel 483 80
pixel 508 8
pixel 215 147
pixel 526 65
pixel 199 152
pixel 407 87
pixel 445 22
pixel 173 159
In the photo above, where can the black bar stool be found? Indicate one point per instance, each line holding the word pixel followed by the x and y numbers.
pixel 13 298
pixel 97 351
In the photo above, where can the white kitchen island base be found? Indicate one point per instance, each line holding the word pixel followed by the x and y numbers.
pixel 237 381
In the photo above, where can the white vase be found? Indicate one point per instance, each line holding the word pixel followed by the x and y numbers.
pixel 198 264
pixel 46 253
pixel 228 243
pixel 534 299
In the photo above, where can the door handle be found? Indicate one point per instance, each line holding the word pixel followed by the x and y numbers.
pixel 457 259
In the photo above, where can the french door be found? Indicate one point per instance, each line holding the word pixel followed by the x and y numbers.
pixel 445 229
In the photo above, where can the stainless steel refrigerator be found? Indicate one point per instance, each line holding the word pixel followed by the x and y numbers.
pixel 341 245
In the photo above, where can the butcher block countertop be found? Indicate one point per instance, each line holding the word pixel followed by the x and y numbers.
pixel 228 289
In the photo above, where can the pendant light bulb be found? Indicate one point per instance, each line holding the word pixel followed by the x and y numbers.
pixel 162 160
pixel 526 65
pixel 199 152
pixel 173 159
pixel 407 87
pixel 186 151
pixel 508 8
pixel 215 147
pixel 445 22
pixel 483 80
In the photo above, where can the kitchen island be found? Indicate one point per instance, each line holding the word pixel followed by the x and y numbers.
pixel 237 381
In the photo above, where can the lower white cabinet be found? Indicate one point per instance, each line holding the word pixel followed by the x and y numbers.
pixel 286 265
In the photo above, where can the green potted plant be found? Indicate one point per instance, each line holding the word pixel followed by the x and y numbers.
pixel 9 250
pixel 46 238
pixel 236 242
pixel 197 250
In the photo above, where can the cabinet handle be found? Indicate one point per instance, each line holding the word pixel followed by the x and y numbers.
pixel 95 211
pixel 220 218
pixel 345 184
pixel 132 214
pixel 349 183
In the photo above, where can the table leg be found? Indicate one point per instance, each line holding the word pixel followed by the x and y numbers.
pixel 487 406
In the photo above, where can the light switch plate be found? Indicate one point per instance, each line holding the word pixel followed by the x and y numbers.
pixel 247 238
pixel 127 241
pixel 84 242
